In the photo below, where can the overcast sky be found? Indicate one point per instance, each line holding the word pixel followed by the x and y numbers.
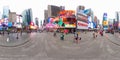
pixel 38 6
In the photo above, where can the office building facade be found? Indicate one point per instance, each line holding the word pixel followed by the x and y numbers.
pixel 117 21
pixel 12 17
pixel 53 11
pixel 45 16
pixel 36 21
pixel 6 12
pixel 27 16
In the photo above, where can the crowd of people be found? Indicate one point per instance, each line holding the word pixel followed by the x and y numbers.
pixel 77 35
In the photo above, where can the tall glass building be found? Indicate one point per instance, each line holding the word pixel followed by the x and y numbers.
pixel 27 16
pixel 36 21
pixel 6 12
pixel 117 21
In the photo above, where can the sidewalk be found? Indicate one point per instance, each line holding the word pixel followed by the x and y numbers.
pixel 11 40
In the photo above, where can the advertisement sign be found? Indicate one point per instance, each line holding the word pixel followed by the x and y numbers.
pixel 67 19
pixel 105 23
pixel 82 17
pixel 87 11
pixel 9 24
pixel 119 25
pixel 82 25
pixel 105 15
pixel 90 23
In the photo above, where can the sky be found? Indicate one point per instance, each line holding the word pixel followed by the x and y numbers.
pixel 38 6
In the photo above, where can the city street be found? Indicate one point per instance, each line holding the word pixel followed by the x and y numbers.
pixel 44 46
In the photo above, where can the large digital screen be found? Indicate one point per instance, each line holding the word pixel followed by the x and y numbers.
pixel 82 17
pixel 68 19
pixel 119 25
pixel 82 25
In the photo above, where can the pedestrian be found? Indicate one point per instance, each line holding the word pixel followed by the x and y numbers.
pixel 54 34
pixel 76 38
pixel 8 33
pixel 93 34
pixel 0 33
pixel 79 38
pixel 74 34
pixel 62 36
pixel 3 32
pixel 17 36
pixel 101 32
pixel 96 33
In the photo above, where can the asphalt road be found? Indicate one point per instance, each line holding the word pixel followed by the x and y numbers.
pixel 43 46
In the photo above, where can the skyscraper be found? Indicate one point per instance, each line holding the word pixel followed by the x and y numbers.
pixel 27 16
pixel 53 11
pixel 45 16
pixel 117 21
pixel 24 17
pixel 12 17
pixel 36 21
pixel 6 11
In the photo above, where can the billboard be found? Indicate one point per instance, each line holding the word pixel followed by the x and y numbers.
pixel 82 20
pixel 119 25
pixel 82 17
pixel 90 23
pixel 105 21
pixel 82 25
pixel 67 19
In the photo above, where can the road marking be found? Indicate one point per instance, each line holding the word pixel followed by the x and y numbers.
pixel 8 39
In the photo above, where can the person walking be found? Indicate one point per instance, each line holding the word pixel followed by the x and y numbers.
pixel 54 34
pixel 62 36
pixel 101 32
pixel 77 38
pixel 93 34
